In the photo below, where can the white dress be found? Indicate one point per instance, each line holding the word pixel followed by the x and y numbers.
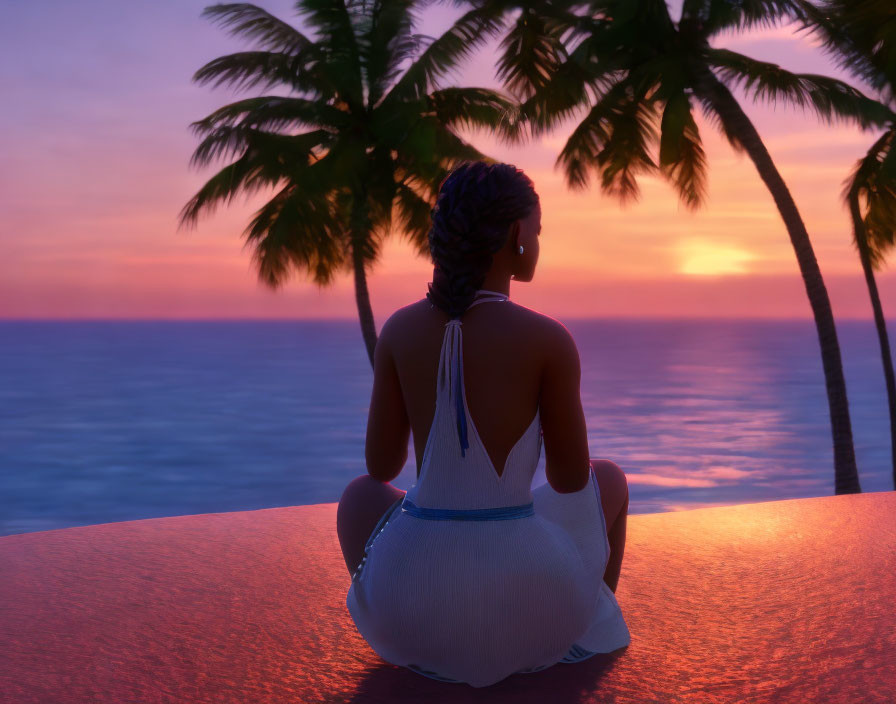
pixel 473 576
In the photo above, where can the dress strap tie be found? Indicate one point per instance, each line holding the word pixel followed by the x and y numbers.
pixel 455 346
pixel 451 365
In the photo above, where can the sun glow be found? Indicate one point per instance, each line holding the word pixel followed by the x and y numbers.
pixel 706 258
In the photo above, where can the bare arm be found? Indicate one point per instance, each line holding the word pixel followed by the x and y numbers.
pixel 388 427
pixel 565 435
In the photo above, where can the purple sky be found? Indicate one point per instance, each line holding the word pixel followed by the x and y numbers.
pixel 96 149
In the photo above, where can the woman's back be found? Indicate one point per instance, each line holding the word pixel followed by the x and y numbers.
pixel 503 357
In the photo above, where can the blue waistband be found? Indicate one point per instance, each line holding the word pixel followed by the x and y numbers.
pixel 498 513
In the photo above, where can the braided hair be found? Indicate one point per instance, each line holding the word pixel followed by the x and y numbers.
pixel 471 220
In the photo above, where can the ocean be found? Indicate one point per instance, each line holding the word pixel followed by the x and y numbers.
pixel 104 421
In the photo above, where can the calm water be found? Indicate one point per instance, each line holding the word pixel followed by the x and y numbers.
pixel 113 421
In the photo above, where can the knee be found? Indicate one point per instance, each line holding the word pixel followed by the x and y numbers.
pixel 353 491
pixel 359 485
pixel 362 480
pixel 611 476
pixel 364 491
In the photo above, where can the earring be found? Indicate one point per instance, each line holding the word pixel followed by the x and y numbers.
pixel 521 249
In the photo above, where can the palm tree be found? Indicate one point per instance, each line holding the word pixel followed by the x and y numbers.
pixel 638 73
pixel 862 36
pixel 359 145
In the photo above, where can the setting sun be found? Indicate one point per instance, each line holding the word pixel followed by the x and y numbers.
pixel 705 258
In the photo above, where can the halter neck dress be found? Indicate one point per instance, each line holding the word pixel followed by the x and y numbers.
pixel 472 576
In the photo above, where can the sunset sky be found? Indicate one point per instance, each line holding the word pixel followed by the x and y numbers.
pixel 98 100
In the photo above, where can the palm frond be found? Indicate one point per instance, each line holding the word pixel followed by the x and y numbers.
pixel 424 177
pixel 563 97
pixel 345 165
pixel 648 22
pixel 266 160
pixel 381 188
pixel 445 53
pixel 247 69
pixel 582 146
pixel 337 42
pixel 613 140
pixel 387 43
pixel 681 156
pixel 274 112
pixel 253 22
pixel 452 149
pixel 627 151
pixel 413 216
pixel 859 35
pixel 299 229
pixel 871 182
pixel 224 186
pixel 592 68
pixel 531 52
pixel 709 17
pixel 831 99
pixel 428 146
pixel 227 140
pixel 475 108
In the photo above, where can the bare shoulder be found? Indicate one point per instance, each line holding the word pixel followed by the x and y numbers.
pixel 550 327
pixel 555 337
pixel 402 322
pixel 546 336
pixel 411 311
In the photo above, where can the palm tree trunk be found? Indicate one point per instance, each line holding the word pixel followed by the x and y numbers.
pixel 737 124
pixel 365 312
pixel 360 231
pixel 882 336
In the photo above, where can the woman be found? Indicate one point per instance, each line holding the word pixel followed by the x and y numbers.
pixel 470 576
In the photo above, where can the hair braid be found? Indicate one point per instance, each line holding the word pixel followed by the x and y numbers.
pixel 476 204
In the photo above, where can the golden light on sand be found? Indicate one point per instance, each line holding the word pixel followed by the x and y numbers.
pixel 700 257
pixel 769 602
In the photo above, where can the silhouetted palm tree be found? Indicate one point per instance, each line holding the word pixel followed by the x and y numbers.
pixel 861 34
pixel 637 71
pixel 359 146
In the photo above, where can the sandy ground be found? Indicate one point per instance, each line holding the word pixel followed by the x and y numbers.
pixel 784 601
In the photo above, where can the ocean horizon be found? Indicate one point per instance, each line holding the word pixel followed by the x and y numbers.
pixel 109 420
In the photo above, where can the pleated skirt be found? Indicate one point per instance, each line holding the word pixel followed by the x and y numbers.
pixel 474 601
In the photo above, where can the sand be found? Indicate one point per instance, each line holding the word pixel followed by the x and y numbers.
pixel 784 601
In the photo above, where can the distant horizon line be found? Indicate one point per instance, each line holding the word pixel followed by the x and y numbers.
pixel 667 318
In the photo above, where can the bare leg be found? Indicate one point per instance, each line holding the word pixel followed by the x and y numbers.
pixel 614 500
pixel 363 503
